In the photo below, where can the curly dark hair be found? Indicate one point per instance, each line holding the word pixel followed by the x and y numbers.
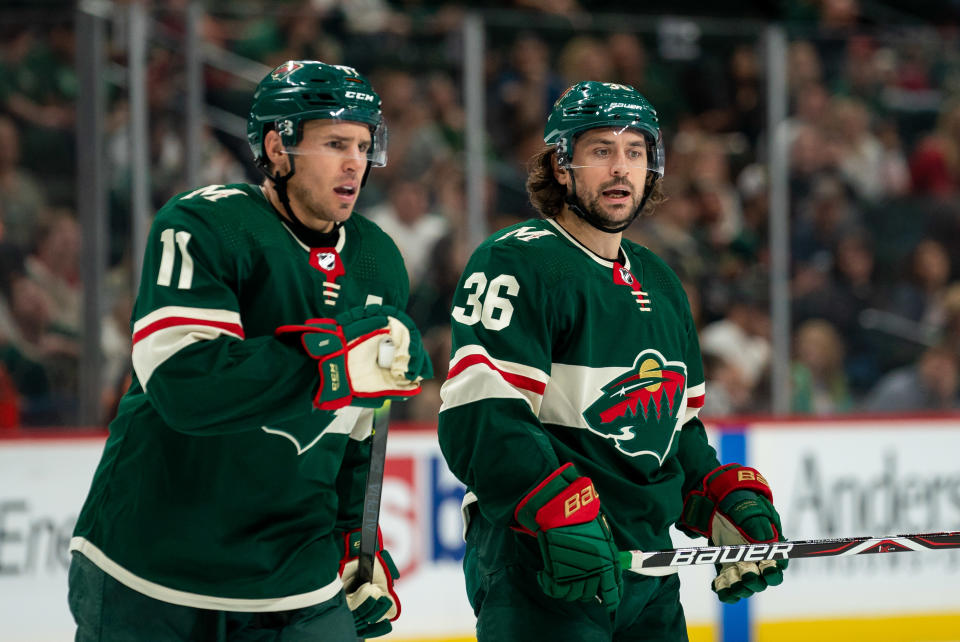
pixel 547 195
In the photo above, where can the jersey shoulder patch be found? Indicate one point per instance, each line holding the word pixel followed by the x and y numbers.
pixel 525 233
pixel 213 193
pixel 208 202
pixel 531 250
pixel 529 232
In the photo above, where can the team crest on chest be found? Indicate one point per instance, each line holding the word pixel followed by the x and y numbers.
pixel 327 261
pixel 642 408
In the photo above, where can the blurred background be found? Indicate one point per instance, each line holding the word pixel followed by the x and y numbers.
pixel 813 183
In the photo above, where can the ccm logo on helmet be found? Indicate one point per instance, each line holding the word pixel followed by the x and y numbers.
pixel 359 95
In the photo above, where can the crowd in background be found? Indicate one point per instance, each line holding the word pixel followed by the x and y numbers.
pixel 874 147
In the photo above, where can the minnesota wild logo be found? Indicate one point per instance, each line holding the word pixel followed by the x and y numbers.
pixel 285 70
pixel 642 408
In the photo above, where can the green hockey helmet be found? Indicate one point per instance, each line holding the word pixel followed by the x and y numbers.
pixel 302 90
pixel 591 104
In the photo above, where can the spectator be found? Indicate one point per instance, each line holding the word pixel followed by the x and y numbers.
pixel 931 384
pixel 22 202
pixel 585 58
pixel 950 332
pixel 803 61
pixel 54 266
pixel 862 76
pixel 634 66
pixel 671 233
pixel 894 170
pixel 523 91
pixel 811 104
pixel 447 111
pixel 417 145
pixel 721 217
pixel 935 161
pixel 752 242
pixel 42 98
pixel 741 340
pixel 746 93
pixel 819 384
pixel 407 219
pixel 824 218
pixel 919 297
pixel 730 393
pixel 861 155
pixel 811 155
pixel 847 292
pixel 30 352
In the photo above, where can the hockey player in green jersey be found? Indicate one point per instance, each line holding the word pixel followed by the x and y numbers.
pixel 570 408
pixel 229 494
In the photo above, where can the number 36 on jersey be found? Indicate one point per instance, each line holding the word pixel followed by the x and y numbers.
pixel 488 302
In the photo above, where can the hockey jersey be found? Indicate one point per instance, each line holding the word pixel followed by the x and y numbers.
pixel 220 486
pixel 561 356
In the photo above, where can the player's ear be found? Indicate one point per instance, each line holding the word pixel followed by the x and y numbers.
pixel 273 147
pixel 559 173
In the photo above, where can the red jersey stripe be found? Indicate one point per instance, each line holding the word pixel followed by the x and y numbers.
pixel 168 322
pixel 696 402
pixel 517 381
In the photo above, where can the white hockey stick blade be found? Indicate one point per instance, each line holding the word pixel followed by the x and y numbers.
pixel 669 561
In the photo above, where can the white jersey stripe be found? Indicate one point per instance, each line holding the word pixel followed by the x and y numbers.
pixel 512 367
pixel 196 600
pixel 695 398
pixel 474 375
pixel 572 389
pixel 479 381
pixel 558 398
pixel 201 314
pixel 164 332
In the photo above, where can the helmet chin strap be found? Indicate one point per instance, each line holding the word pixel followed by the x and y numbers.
pixel 308 235
pixel 577 207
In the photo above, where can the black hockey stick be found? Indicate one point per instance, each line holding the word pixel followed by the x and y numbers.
pixel 664 562
pixel 371 498
pixel 370 520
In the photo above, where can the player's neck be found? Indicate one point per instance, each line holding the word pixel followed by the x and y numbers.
pixel 606 245
pixel 270 193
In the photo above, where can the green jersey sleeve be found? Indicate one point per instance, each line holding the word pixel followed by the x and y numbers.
pixel 489 429
pixel 697 457
pixel 192 355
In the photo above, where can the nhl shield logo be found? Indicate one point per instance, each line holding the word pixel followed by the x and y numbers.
pixel 326 261
pixel 641 409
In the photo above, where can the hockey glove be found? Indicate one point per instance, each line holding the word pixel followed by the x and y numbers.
pixel 350 354
pixel 579 557
pixel 374 604
pixel 735 507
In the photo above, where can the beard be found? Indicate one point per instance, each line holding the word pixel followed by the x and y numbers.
pixel 611 216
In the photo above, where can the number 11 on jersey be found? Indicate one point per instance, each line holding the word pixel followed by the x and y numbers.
pixel 169 237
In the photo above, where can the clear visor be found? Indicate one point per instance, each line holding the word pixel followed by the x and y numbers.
pixel 626 146
pixel 344 139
